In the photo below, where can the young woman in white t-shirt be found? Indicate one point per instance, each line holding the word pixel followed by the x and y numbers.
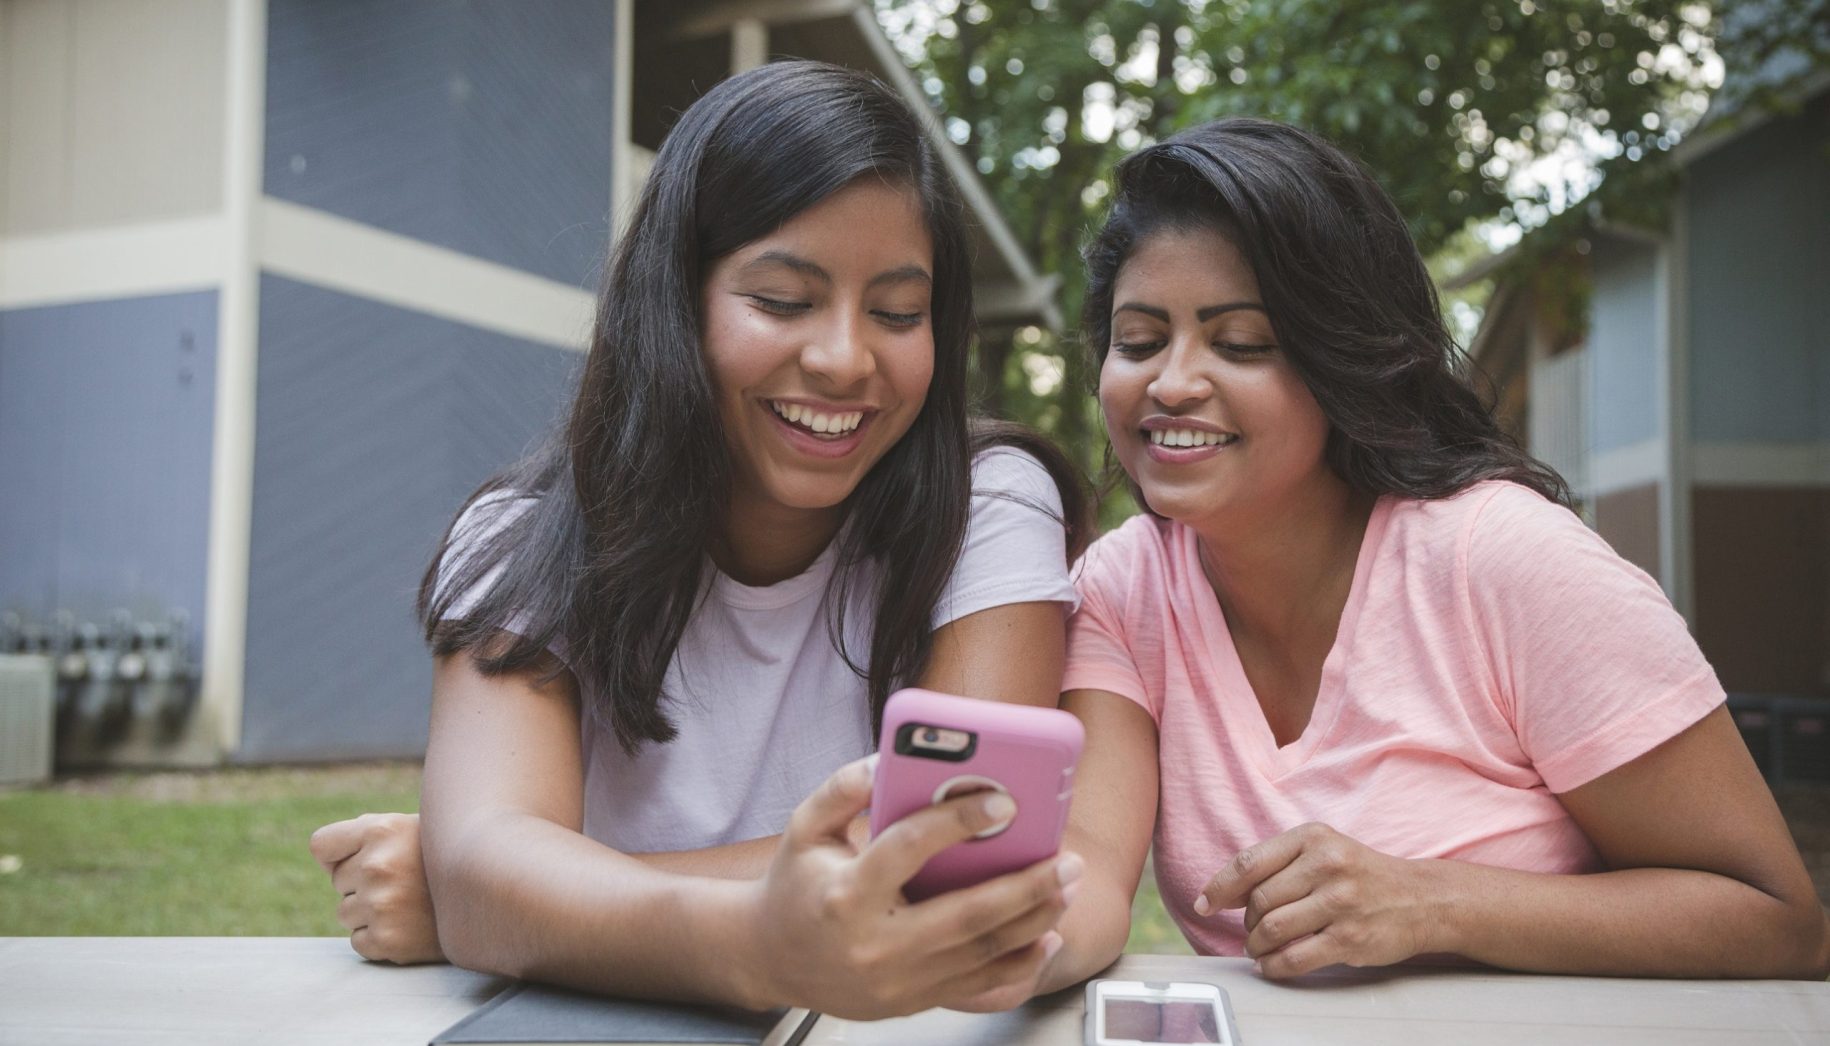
pixel 663 643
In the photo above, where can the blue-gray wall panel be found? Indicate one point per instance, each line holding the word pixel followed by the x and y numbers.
pixel 1623 346
pixel 373 423
pixel 105 425
pixel 1759 249
pixel 482 125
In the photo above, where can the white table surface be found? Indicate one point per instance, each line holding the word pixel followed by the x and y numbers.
pixel 1413 1006
pixel 276 991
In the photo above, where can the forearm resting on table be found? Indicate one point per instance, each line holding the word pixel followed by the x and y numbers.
pixel 1667 922
pixel 746 860
pixel 524 897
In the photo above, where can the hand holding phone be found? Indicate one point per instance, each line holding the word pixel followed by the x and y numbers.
pixel 936 746
pixel 1158 1013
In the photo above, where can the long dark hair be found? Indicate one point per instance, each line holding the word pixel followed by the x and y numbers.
pixel 1353 308
pixel 606 557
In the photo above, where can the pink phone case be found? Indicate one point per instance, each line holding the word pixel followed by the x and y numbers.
pixel 1029 752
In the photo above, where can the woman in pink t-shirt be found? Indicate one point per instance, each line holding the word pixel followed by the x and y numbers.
pixel 1377 688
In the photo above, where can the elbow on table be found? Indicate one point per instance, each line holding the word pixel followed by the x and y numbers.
pixel 1816 945
pixel 460 937
pixel 1800 945
pixel 1095 940
pixel 461 901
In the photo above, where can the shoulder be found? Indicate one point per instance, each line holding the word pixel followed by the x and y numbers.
pixel 1139 551
pixel 473 557
pixel 1014 495
pixel 487 515
pixel 1143 537
pixel 1010 471
pixel 1525 560
pixel 1491 524
pixel 495 507
pixel 1509 530
pixel 1499 504
pixel 1015 549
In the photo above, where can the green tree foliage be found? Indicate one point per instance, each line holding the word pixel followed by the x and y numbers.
pixel 1448 102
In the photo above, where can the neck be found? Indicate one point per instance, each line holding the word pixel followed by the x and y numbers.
pixel 1285 570
pixel 766 543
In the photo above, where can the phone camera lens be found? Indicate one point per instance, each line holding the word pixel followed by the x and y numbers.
pixel 930 735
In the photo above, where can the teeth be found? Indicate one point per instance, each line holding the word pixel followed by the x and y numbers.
pixel 1189 438
pixel 821 422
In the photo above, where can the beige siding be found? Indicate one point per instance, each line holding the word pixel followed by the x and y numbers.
pixel 36 71
pixel 113 111
pixel 6 137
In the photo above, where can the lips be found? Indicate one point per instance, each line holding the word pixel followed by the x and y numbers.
pixel 1181 441
pixel 844 433
pixel 817 420
pixel 1188 438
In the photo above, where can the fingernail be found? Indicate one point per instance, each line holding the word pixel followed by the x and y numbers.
pixel 870 764
pixel 1000 807
pixel 1069 868
pixel 1201 905
pixel 1051 943
pixel 1068 892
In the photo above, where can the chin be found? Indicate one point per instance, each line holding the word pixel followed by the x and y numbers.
pixel 810 493
pixel 1183 504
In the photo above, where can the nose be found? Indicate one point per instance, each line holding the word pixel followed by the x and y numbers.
pixel 838 352
pixel 1183 378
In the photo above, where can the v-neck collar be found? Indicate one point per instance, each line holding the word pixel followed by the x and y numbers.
pixel 1241 712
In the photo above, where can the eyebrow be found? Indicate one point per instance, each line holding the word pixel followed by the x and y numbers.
pixel 1203 314
pixel 901 274
pixel 789 261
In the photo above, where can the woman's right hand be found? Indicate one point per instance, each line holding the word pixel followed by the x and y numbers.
pixel 831 930
pixel 374 862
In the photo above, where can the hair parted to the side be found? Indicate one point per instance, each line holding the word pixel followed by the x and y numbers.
pixel 605 554
pixel 1347 294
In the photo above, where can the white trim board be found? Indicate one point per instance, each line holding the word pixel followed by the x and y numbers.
pixel 622 178
pixel 1625 468
pixel 1761 464
pixel 225 617
pixel 322 249
pixel 119 261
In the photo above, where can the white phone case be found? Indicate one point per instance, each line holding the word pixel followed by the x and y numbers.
pixel 1091 1022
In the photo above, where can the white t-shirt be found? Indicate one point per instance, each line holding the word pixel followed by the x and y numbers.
pixel 766 707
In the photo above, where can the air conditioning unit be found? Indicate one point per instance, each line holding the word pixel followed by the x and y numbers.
pixel 28 711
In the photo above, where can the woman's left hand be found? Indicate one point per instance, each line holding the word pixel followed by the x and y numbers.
pixel 1313 898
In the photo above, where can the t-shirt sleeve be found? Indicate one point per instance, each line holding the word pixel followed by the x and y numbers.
pixel 1593 666
pixel 482 520
pixel 1016 542
pixel 1099 649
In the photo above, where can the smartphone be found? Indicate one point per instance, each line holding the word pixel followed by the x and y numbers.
pixel 937 746
pixel 1158 1013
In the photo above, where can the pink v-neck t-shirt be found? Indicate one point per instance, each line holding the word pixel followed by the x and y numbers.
pixel 1493 652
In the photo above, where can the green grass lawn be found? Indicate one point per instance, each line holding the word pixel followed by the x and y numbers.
pixel 181 854
pixel 223 853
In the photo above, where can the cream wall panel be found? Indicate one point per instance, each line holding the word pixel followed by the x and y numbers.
pixel 34 88
pixel 147 109
pixel 115 112
pixel 6 120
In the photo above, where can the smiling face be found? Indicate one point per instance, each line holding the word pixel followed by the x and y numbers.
pixel 820 344
pixel 1204 411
